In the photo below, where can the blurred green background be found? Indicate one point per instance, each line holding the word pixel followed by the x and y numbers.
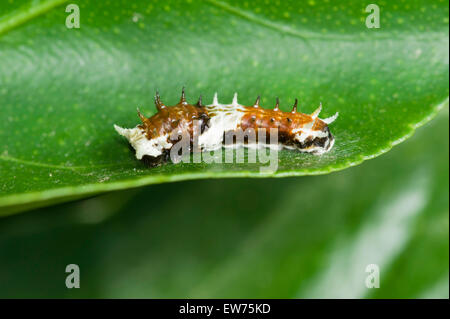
pixel 300 237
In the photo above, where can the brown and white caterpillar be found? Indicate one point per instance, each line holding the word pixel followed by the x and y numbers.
pixel 154 138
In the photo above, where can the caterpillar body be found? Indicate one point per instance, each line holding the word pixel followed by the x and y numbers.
pixel 155 137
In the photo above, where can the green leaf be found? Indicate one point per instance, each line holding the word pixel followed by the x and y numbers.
pixel 61 90
pixel 284 238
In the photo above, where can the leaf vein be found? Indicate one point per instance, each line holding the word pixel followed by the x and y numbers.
pixel 56 166
pixel 26 13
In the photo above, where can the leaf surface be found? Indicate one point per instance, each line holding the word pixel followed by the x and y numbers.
pixel 61 90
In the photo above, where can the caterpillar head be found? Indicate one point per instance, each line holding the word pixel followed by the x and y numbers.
pixel 314 136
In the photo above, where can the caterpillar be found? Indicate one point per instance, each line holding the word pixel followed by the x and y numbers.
pixel 154 138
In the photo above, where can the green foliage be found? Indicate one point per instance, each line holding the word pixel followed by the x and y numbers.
pixel 63 89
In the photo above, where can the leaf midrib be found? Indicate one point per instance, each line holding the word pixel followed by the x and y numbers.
pixel 26 13
pixel 56 166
